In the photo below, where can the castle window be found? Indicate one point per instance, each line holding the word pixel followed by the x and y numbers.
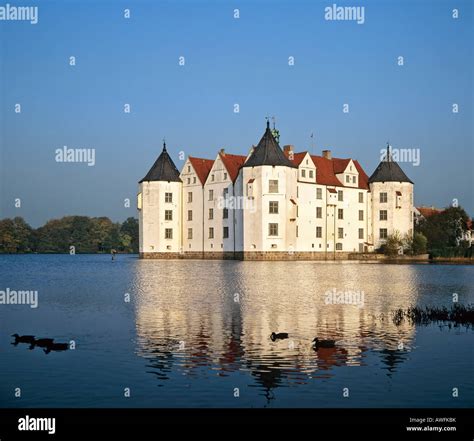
pixel 212 177
pixel 311 174
pixel 225 176
pixel 139 201
pixel 169 197
pixel 189 181
pixel 190 233
pixel 361 215
pixel 297 231
pixel 211 195
pixel 190 196
pixel 340 195
pixel 273 207
pixel 383 233
pixel 383 198
pixel 194 180
pixel 383 215
pixel 168 233
pixel 225 193
pixel 399 199
pixel 319 212
pixel 340 213
pixel 303 173
pixel 273 186
pixel 319 193
pixel 225 233
pixel 361 197
pixel 211 233
pixel 190 215
pixel 273 229
pixel 225 213
pixel 339 246
pixel 319 231
pixel 340 233
pixel 211 213
pixel 361 233
pixel 168 215
pixel 189 169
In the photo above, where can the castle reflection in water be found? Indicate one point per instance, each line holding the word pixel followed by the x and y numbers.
pixel 197 316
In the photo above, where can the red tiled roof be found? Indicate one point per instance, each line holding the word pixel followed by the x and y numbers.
pixel 232 163
pixel 339 165
pixel 429 211
pixel 202 167
pixel 363 178
pixel 295 158
pixel 325 171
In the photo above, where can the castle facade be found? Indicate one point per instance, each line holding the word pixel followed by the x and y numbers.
pixel 271 204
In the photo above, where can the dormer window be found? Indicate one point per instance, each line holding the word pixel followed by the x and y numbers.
pixel 354 179
pixel 311 174
pixel 303 173
pixel 348 179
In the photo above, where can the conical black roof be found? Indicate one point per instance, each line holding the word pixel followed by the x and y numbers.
pixel 268 152
pixel 163 169
pixel 389 171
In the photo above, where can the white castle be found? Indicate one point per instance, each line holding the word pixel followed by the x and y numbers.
pixel 271 204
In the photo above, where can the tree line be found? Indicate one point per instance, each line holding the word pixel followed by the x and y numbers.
pixel 443 234
pixel 85 234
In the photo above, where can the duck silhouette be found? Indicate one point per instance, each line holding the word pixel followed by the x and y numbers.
pixel 278 336
pixel 317 343
pixel 23 339
pixel 42 342
pixel 56 347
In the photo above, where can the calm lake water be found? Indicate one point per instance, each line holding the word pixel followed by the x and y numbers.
pixel 196 334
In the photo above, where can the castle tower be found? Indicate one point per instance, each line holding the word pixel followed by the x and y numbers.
pixel 160 209
pixel 392 201
pixel 268 188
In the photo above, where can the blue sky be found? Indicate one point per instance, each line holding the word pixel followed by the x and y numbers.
pixel 227 61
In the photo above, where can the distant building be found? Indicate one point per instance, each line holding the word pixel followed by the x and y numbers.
pixel 271 204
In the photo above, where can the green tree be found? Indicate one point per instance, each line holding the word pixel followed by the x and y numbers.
pixel 444 229
pixel 130 228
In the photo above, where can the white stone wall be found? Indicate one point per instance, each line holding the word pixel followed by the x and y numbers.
pixel 192 184
pixel 218 180
pixel 256 218
pixel 398 218
pixel 152 222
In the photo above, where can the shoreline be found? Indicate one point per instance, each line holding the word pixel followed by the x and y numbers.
pixel 347 258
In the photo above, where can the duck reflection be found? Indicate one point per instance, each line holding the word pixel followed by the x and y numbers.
pixel 216 317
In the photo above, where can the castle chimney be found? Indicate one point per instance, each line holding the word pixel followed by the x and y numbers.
pixel 288 148
pixel 222 152
pixel 327 154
